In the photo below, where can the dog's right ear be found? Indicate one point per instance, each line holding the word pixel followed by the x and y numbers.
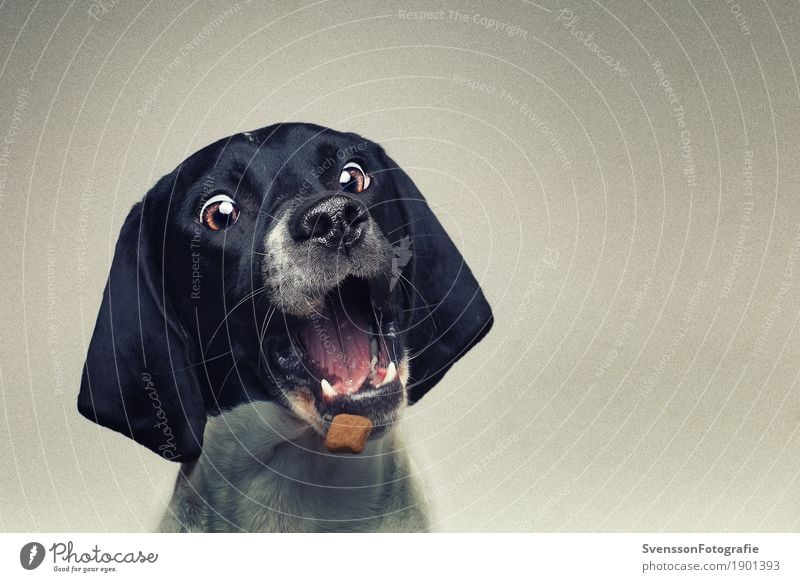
pixel 138 378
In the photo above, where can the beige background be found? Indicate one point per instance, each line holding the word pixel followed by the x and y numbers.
pixel 643 370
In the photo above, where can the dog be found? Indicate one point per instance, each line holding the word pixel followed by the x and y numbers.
pixel 275 279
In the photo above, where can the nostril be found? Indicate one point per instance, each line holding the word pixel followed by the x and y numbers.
pixel 319 225
pixel 353 215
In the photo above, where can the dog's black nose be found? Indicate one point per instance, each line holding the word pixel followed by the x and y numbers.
pixel 335 221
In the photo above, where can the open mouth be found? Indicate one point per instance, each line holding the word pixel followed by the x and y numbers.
pixel 349 346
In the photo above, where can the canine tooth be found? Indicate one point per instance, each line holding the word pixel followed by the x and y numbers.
pixel 391 374
pixel 373 346
pixel 373 363
pixel 327 389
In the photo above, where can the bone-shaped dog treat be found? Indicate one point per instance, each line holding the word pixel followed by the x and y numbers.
pixel 348 433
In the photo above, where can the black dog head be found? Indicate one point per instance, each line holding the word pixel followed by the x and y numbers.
pixel 293 263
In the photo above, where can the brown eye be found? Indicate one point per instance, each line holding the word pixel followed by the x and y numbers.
pixel 353 178
pixel 219 212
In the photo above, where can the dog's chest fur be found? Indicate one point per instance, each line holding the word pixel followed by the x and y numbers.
pixel 263 470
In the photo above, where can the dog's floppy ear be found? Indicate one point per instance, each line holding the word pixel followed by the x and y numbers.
pixel 449 312
pixel 137 378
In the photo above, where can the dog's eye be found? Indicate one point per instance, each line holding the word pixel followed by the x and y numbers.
pixel 219 212
pixel 353 178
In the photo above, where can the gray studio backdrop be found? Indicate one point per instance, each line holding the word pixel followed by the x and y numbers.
pixel 621 176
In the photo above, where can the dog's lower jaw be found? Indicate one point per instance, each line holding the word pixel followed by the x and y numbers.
pixel 263 469
pixel 302 404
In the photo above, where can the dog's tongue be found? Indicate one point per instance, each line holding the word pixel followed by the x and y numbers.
pixel 337 339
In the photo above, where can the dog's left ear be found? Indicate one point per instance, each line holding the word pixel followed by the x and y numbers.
pixel 449 312
pixel 138 378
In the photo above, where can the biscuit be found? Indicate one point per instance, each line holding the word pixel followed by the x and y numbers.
pixel 348 433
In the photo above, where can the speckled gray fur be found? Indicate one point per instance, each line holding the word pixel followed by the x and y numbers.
pixel 263 470
pixel 298 276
